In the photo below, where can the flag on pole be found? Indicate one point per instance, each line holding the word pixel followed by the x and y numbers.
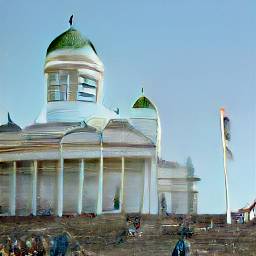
pixel 227 135
pixel 227 128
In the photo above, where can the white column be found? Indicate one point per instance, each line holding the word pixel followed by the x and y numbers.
pixel 146 190
pixel 100 185
pixel 122 187
pixel 34 188
pixel 60 186
pixel 81 186
pixel 153 187
pixel 13 189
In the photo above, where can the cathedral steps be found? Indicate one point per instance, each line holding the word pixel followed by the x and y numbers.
pixel 158 235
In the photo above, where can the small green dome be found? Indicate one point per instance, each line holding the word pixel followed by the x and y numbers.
pixel 143 102
pixel 70 39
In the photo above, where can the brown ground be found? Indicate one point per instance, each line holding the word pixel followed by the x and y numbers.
pixel 159 235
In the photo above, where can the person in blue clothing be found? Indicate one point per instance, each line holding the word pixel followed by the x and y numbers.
pixel 182 248
pixel 59 245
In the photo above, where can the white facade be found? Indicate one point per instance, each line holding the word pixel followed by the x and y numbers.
pixel 177 186
pixel 79 156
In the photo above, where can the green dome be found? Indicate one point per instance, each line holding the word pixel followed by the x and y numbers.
pixel 70 39
pixel 143 102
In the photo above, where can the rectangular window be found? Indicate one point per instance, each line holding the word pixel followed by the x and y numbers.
pixel 53 79
pixel 53 87
pixel 58 85
pixel 54 93
pixel 63 82
pixel 86 89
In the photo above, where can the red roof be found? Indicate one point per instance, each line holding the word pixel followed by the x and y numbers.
pixel 249 208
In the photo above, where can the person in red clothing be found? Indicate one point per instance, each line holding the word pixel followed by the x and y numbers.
pixel 137 223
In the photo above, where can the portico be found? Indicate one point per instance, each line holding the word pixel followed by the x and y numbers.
pixel 74 177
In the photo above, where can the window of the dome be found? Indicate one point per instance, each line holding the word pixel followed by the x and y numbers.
pixel 87 89
pixel 58 84
pixel 68 86
pixel 62 85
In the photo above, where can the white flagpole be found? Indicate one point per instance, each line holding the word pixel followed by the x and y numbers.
pixel 225 164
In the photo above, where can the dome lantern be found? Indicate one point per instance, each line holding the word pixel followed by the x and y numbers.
pixel 74 79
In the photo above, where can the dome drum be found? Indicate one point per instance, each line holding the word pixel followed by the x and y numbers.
pixel 73 71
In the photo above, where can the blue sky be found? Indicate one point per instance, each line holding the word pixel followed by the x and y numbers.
pixel 191 57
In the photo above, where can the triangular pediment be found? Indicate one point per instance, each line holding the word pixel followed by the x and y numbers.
pixel 121 132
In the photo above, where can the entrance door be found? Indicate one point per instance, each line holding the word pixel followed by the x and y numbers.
pixel 168 198
pixel 133 185
pixel 111 185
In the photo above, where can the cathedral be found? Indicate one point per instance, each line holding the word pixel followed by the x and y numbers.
pixel 81 157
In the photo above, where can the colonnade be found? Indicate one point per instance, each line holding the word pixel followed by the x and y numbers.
pixel 149 199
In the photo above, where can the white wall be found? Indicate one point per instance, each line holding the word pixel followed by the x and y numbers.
pixel 179 202
pixel 173 181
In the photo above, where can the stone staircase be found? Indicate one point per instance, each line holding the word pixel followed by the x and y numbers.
pixel 158 235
